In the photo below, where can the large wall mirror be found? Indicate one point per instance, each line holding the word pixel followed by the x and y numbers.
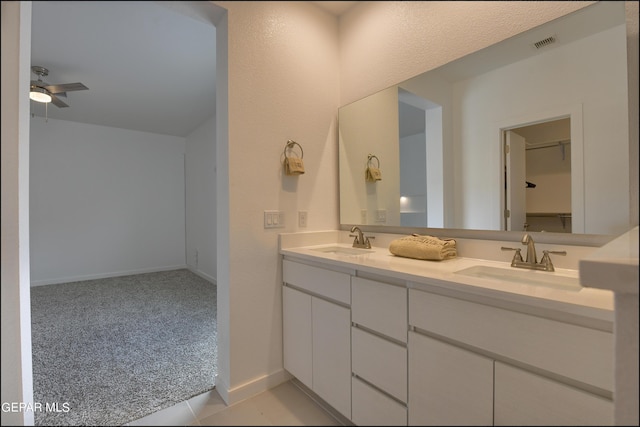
pixel 528 134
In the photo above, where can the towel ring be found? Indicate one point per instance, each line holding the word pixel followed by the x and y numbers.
pixel 290 144
pixel 370 158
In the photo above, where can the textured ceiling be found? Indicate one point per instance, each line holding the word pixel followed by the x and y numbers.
pixel 335 7
pixel 149 66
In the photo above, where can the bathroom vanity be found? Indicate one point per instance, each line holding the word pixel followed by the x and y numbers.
pixel 387 340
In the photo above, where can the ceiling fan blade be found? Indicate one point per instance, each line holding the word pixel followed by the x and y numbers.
pixel 57 101
pixel 65 87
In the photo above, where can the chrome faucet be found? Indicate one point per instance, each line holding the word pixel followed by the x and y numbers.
pixel 531 259
pixel 360 241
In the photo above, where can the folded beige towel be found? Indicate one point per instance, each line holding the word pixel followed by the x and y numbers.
pixel 424 247
pixel 293 166
pixel 373 174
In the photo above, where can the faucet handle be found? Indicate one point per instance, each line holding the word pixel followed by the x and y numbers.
pixel 517 257
pixel 367 243
pixel 546 259
pixel 554 252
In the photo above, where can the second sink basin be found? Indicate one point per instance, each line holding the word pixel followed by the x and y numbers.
pixel 341 250
pixel 523 276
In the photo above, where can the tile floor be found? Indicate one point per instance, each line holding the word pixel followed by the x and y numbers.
pixel 284 405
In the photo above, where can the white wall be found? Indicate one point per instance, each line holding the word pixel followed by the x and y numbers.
pixel 282 84
pixel 200 208
pixel 104 201
pixel 631 13
pixel 17 376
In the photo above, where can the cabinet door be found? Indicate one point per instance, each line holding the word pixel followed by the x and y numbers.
pixel 331 326
pixel 523 398
pixel 296 330
pixel 448 385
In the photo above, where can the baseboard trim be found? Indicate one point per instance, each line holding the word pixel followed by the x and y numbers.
pixel 250 388
pixel 202 274
pixel 105 275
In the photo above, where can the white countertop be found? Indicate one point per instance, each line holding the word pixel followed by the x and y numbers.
pixel 613 266
pixel 580 302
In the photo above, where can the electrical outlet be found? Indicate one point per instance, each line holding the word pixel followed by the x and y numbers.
pixel 302 218
pixel 273 219
pixel 381 215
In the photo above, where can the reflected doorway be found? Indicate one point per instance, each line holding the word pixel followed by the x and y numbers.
pixel 538 176
pixel 421 161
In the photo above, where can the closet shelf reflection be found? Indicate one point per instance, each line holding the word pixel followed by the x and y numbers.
pixel 547 214
pixel 560 215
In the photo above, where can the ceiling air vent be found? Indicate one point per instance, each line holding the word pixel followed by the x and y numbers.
pixel 545 42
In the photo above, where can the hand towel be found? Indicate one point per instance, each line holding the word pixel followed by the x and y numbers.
pixel 424 247
pixel 293 166
pixel 373 174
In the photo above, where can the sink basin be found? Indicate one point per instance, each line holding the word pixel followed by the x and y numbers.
pixel 341 250
pixel 526 277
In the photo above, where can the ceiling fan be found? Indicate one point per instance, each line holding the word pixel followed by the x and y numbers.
pixel 42 91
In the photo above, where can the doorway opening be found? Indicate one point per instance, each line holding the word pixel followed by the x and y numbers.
pixel 118 209
pixel 538 176
pixel 421 161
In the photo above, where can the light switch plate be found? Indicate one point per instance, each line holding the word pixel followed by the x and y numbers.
pixel 273 219
pixel 302 218
pixel 381 215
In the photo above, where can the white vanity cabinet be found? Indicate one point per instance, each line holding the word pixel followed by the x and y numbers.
pixel 469 362
pixel 317 331
pixel 379 352
pixel 400 343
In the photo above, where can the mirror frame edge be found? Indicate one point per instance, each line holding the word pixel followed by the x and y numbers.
pixel 589 240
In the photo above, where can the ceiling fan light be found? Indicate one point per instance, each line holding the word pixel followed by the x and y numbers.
pixel 39 95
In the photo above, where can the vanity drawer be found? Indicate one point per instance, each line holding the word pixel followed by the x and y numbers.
pixel 380 362
pixel 577 352
pixel 371 408
pixel 327 283
pixel 380 306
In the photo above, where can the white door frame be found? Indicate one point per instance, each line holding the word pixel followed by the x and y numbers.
pixel 574 113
